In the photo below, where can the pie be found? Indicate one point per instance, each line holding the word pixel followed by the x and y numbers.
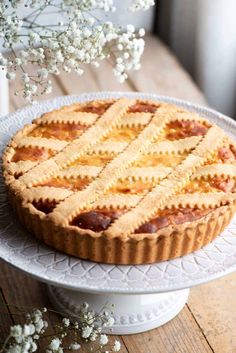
pixel 122 181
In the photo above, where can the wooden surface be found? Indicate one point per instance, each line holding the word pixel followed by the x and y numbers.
pixel 208 322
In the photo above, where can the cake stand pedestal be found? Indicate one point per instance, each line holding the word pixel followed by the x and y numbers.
pixel 132 313
pixel 144 296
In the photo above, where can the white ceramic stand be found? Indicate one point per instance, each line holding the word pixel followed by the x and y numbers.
pixel 132 313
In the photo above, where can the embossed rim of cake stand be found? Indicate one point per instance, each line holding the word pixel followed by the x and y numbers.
pixel 36 259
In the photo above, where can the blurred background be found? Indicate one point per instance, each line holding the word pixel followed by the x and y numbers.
pixel 202 34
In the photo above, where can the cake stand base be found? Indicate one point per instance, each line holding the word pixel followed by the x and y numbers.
pixel 133 313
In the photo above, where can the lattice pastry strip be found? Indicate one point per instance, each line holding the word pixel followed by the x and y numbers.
pixel 82 118
pixel 174 147
pixel 51 144
pixel 162 149
pixel 79 146
pixel 156 174
pixel 114 169
pixel 20 167
pixel 201 200
pixel 162 172
pixel 149 173
pixel 216 169
pixel 159 197
pixel 76 170
pixel 46 193
pixel 189 116
pixel 109 201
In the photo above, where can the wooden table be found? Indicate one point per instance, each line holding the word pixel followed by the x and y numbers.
pixel 208 322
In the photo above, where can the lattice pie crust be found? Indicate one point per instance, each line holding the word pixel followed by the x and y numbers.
pixel 122 181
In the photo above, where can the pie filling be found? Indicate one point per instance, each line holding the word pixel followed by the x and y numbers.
pixel 31 154
pixel 94 107
pixel 45 206
pixel 96 160
pixel 154 160
pixel 96 220
pixel 210 185
pixel 74 184
pixel 99 220
pixel 60 131
pixel 227 154
pixel 176 130
pixel 142 107
pixel 134 187
pixel 172 217
pixel 123 134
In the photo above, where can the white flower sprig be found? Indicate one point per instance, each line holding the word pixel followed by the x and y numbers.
pixel 85 330
pixel 78 37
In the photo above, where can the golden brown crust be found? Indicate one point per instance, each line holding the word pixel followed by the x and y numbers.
pixel 167 243
pixel 121 142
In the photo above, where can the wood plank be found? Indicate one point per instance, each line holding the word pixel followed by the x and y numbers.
pixel 6 319
pixel 93 79
pixel 22 290
pixel 213 306
pixel 181 335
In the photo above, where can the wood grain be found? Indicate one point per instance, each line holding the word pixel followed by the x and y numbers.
pixel 213 306
pixel 181 335
pixel 208 322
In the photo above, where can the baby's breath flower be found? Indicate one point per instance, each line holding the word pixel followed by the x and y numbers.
pixel 116 346
pixel 79 38
pixel 42 73
pixel 16 331
pixel 33 347
pixel 18 61
pixel 23 53
pixel 110 321
pixel 33 36
pixel 10 75
pixel 141 5
pixel 55 344
pixel 39 325
pixel 48 89
pixel 130 28
pixel 141 32
pixel 75 346
pixel 23 338
pixel 86 332
pixel 25 77
pixel 28 330
pixel 66 322
pixel 103 339
pixel 3 61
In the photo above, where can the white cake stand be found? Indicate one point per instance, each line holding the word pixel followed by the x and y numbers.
pixel 145 296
